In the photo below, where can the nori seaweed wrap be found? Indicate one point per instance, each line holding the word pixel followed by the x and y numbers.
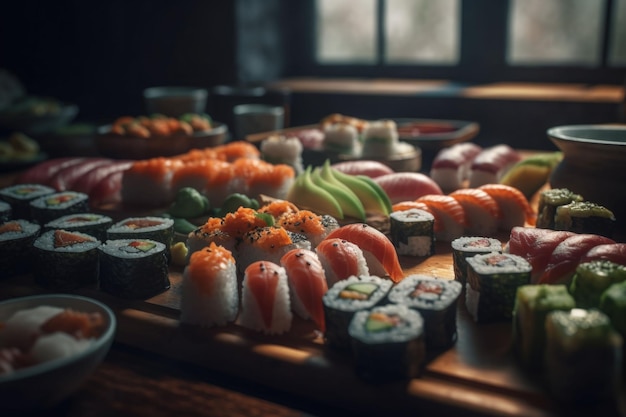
pixel 345 298
pixel 549 201
pixel 591 279
pixel 65 260
pixel 585 217
pixel 492 282
pixel 468 246
pixel 388 342
pixel 412 232
pixel 93 224
pixel 52 206
pixel 160 229
pixel 16 246
pixel 19 197
pixel 133 268
pixel 436 300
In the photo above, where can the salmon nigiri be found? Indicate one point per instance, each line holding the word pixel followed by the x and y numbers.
pixel 402 186
pixel 450 219
pixel 307 284
pixel 382 258
pixel 481 210
pixel 514 206
pixel 341 259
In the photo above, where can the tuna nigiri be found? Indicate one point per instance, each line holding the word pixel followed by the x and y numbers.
pixel 481 210
pixel 491 164
pixel 514 207
pixel 402 186
pixel 450 219
pixel 307 284
pixel 341 259
pixel 266 305
pixel 614 252
pixel 372 169
pixel 566 257
pixel 378 250
pixel 451 165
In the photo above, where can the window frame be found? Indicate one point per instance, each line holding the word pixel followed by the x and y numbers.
pixel 483 37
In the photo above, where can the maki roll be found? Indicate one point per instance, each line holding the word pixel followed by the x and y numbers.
pixel 387 342
pixel 532 305
pixel 380 138
pixel 209 293
pixel 265 300
pixel 52 206
pixel 613 304
pixel 65 260
pixel 16 241
pixel 93 224
pixel 591 279
pixel 466 247
pixel 160 229
pixel 20 196
pixel 133 268
pixel 345 298
pixel 412 232
pixel 436 300
pixel 583 357
pixel 492 282
pixel 549 201
pixel 6 212
pixel 585 217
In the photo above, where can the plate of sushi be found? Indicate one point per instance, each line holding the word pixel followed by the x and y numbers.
pixel 435 133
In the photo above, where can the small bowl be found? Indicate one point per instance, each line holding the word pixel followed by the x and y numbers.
pixel 593 164
pixel 45 385
pixel 33 124
pixel 127 147
pixel 175 101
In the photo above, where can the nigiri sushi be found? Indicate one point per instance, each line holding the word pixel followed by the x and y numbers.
pixel 307 284
pixel 315 227
pixel 450 218
pixel 265 300
pixel 378 250
pixel 614 252
pixel 209 294
pixel 451 165
pixel 481 210
pixel 402 186
pixel 491 164
pixel 369 168
pixel 341 259
pixel 514 207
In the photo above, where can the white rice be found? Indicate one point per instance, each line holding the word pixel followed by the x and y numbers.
pixel 58 345
pixel 342 138
pixel 113 248
pixel 380 138
pixel 46 242
pixel 279 149
pixel 410 327
pixel 28 229
pixel 332 299
pixel 16 192
pixel 42 202
pixel 23 326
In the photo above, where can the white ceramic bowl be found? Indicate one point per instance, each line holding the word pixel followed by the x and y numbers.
pixel 175 101
pixel 44 385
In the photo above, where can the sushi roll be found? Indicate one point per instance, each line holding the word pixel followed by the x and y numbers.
pixel 16 241
pixel 92 224
pixel 65 260
pixel 532 305
pixel 6 212
pixel 549 201
pixel 279 149
pixel 19 197
pixel 583 357
pixel 345 298
pixel 591 279
pixel 341 259
pixel 492 282
pixel 210 232
pixel 52 206
pixel 160 229
pixel 436 300
pixel 148 182
pixel 613 304
pixel 209 294
pixel 342 138
pixel 412 232
pixel 315 227
pixel 265 301
pixel 468 246
pixel 387 342
pixel 307 284
pixel 585 217
pixel 133 268
pixel 380 139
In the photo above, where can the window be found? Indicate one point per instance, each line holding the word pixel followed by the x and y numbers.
pixel 515 40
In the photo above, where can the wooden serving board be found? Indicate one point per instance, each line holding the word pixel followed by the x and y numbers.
pixel 477 376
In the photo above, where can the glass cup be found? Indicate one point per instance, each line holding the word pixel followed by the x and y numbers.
pixel 257 118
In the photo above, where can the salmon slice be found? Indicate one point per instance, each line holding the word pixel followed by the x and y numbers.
pixel 341 259
pixel 262 279
pixel 481 210
pixel 514 206
pixel 450 218
pixel 64 238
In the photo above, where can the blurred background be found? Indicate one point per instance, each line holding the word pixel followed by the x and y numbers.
pixel 515 66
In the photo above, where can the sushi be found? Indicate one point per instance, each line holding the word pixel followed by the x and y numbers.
pixel 209 294
pixel 266 304
pixel 279 149
pixel 52 206
pixel 436 301
pixel 412 232
pixel 613 304
pixel 515 209
pixel 407 186
pixel 387 342
pixel 307 284
pixel 468 246
pixel 342 138
pixel 344 299
pixel 614 252
pixel 451 166
pixel 92 224
pixel 492 283
pixel 382 258
pixel 65 260
pixel 19 197
pixel 583 357
pixel 585 217
pixel 160 229
pixel 591 279
pixel 16 241
pixel 490 165
pixel 133 268
pixel 6 212
pixel 549 201
pixel 482 211
pixel 380 138
pixel 450 219
pixel 341 259
pixel 315 227
pixel 532 305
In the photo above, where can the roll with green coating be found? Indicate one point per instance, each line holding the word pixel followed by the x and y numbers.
pixel 549 201
pixel 591 279
pixel 585 217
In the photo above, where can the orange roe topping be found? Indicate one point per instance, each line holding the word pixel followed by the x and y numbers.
pixel 205 264
pixel 278 208
pixel 272 237
pixel 242 221
pixel 303 221
pixel 211 225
